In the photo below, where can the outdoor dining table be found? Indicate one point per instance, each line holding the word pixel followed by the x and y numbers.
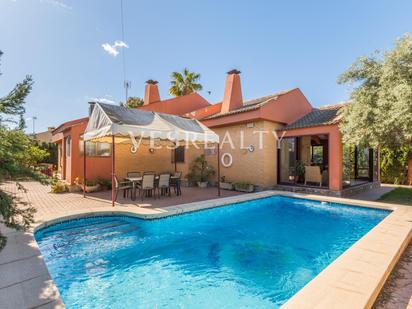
pixel 136 180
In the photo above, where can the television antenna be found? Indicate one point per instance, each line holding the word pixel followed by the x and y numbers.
pixel 126 83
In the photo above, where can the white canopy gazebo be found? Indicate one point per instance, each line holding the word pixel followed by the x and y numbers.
pixel 118 124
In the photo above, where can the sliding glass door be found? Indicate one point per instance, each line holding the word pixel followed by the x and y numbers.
pixel 288 158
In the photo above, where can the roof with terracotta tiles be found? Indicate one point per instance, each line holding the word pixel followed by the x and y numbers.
pixel 325 115
pixel 250 105
pixel 69 124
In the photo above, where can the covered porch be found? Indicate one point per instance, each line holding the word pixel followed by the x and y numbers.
pixel 315 158
pixel 150 146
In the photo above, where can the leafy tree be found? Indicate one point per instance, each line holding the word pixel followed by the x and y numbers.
pixel 133 102
pixel 394 165
pixel 17 153
pixel 380 112
pixel 184 83
pixel 13 103
pixel 381 109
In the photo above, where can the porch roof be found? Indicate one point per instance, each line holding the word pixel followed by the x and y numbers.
pixel 111 120
pixel 326 115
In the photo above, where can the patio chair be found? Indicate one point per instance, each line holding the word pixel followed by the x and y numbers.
pixel 147 186
pixel 134 174
pixel 175 183
pixel 149 173
pixel 313 174
pixel 125 186
pixel 164 184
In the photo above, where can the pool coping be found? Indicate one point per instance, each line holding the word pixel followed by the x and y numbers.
pixel 353 280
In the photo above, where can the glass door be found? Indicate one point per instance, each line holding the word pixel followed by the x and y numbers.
pixel 288 158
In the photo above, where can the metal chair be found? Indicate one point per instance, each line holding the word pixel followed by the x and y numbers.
pixel 125 186
pixel 164 184
pixel 147 185
pixel 175 183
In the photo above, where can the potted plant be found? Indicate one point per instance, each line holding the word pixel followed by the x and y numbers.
pixel 244 187
pixel 105 184
pixel 299 171
pixel 92 185
pixel 225 185
pixel 200 172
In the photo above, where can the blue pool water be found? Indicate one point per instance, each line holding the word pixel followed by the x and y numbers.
pixel 256 254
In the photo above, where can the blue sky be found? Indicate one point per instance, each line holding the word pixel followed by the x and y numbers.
pixel 276 44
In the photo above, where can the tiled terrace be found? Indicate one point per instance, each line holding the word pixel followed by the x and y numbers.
pixel 189 195
pixel 354 278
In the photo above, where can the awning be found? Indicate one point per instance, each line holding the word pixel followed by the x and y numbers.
pixel 109 120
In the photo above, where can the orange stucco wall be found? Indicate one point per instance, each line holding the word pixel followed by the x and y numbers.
pixel 177 106
pixel 335 151
pixel 287 108
pixel 97 167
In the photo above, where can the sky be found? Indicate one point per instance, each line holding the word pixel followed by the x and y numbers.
pixel 74 48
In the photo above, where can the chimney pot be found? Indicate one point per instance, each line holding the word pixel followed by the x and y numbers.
pixel 151 93
pixel 234 71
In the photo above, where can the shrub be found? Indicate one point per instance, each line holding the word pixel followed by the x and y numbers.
pixel 200 170
pixel 105 183
pixel 59 186
pixel 394 165
pixel 16 213
pixel 242 185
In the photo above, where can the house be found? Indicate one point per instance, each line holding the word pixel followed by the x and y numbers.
pixel 68 137
pixel 276 140
pixel 44 137
pixel 270 136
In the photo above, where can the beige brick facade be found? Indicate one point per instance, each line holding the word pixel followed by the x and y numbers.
pixel 259 166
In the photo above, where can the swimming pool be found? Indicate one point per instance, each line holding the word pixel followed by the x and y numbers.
pixel 255 254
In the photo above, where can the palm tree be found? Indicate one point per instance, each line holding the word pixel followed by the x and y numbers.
pixel 185 83
pixel 134 102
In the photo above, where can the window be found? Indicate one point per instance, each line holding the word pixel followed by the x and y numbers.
pixel 210 151
pixel 68 146
pixel 179 154
pixel 95 149
pixel 317 154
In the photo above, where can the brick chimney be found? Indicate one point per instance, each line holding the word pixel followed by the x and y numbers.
pixel 151 93
pixel 232 98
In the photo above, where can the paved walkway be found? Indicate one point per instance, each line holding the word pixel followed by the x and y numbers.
pixel 397 292
pixel 373 194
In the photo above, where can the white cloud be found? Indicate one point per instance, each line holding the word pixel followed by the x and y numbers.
pixel 58 3
pixel 114 48
pixel 102 100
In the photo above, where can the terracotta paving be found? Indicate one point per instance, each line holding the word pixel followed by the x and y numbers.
pixel 397 292
pixel 49 205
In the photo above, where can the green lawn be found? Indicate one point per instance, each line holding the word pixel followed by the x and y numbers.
pixel 398 196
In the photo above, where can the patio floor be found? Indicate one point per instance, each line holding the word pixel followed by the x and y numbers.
pixel 189 195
